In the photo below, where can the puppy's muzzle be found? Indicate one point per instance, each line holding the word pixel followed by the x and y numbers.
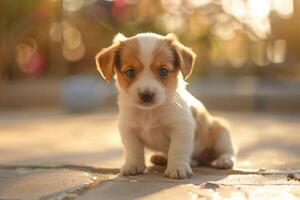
pixel 147 96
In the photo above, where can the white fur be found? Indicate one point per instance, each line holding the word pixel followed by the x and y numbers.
pixel 147 43
pixel 146 81
pixel 168 128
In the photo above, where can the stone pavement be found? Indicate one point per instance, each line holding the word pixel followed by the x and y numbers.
pixel 55 155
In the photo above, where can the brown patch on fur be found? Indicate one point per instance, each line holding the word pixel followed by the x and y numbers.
pixel 203 131
pixel 160 160
pixel 105 61
pixel 220 130
pixel 206 156
pixel 129 58
pixel 164 56
pixel 208 130
pixel 185 56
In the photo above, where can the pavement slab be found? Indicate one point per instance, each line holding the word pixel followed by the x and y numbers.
pixel 27 183
pixel 57 155
pixel 206 183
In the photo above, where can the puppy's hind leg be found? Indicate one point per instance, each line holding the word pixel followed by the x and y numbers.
pixel 222 145
pixel 162 160
pixel 159 159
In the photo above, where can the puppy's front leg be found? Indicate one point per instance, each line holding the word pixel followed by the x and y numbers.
pixel 134 153
pixel 180 151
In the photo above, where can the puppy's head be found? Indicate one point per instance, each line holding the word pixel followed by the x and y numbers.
pixel 147 66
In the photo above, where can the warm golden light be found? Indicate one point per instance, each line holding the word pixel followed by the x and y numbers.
pixel 284 8
pixel 55 32
pixel 256 13
pixel 72 5
pixel 277 51
pixel 258 9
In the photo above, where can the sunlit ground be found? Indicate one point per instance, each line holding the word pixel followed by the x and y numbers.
pixel 265 140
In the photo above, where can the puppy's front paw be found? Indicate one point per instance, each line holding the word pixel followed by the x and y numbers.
pixel 133 169
pixel 179 171
pixel 225 161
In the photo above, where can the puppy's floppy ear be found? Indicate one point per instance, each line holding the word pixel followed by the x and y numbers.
pixel 119 38
pixel 106 58
pixel 172 36
pixel 105 61
pixel 186 57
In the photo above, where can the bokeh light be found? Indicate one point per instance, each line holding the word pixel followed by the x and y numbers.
pixel 29 59
pixel 25 50
pixel 72 5
pixel 231 37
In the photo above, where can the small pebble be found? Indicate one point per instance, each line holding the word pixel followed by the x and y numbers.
pixel 210 185
pixel 292 176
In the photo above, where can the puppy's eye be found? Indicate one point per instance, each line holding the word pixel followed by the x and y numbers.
pixel 130 73
pixel 163 72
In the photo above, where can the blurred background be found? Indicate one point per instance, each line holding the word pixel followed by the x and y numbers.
pixel 248 51
pixel 56 110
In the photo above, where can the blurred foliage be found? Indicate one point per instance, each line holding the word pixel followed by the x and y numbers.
pixel 55 38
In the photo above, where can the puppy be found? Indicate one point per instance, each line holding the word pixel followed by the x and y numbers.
pixel 156 110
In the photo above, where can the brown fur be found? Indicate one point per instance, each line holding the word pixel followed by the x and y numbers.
pixel 105 61
pixel 158 159
pixel 163 56
pixel 209 130
pixel 129 57
pixel 185 56
pixel 128 50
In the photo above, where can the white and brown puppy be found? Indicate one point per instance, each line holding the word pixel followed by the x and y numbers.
pixel 156 110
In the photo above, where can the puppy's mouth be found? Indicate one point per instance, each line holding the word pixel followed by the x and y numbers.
pixel 146 105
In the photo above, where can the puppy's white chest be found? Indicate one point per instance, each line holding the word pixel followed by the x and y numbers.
pixel 152 131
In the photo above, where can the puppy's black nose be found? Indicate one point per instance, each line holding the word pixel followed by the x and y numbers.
pixel 146 96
